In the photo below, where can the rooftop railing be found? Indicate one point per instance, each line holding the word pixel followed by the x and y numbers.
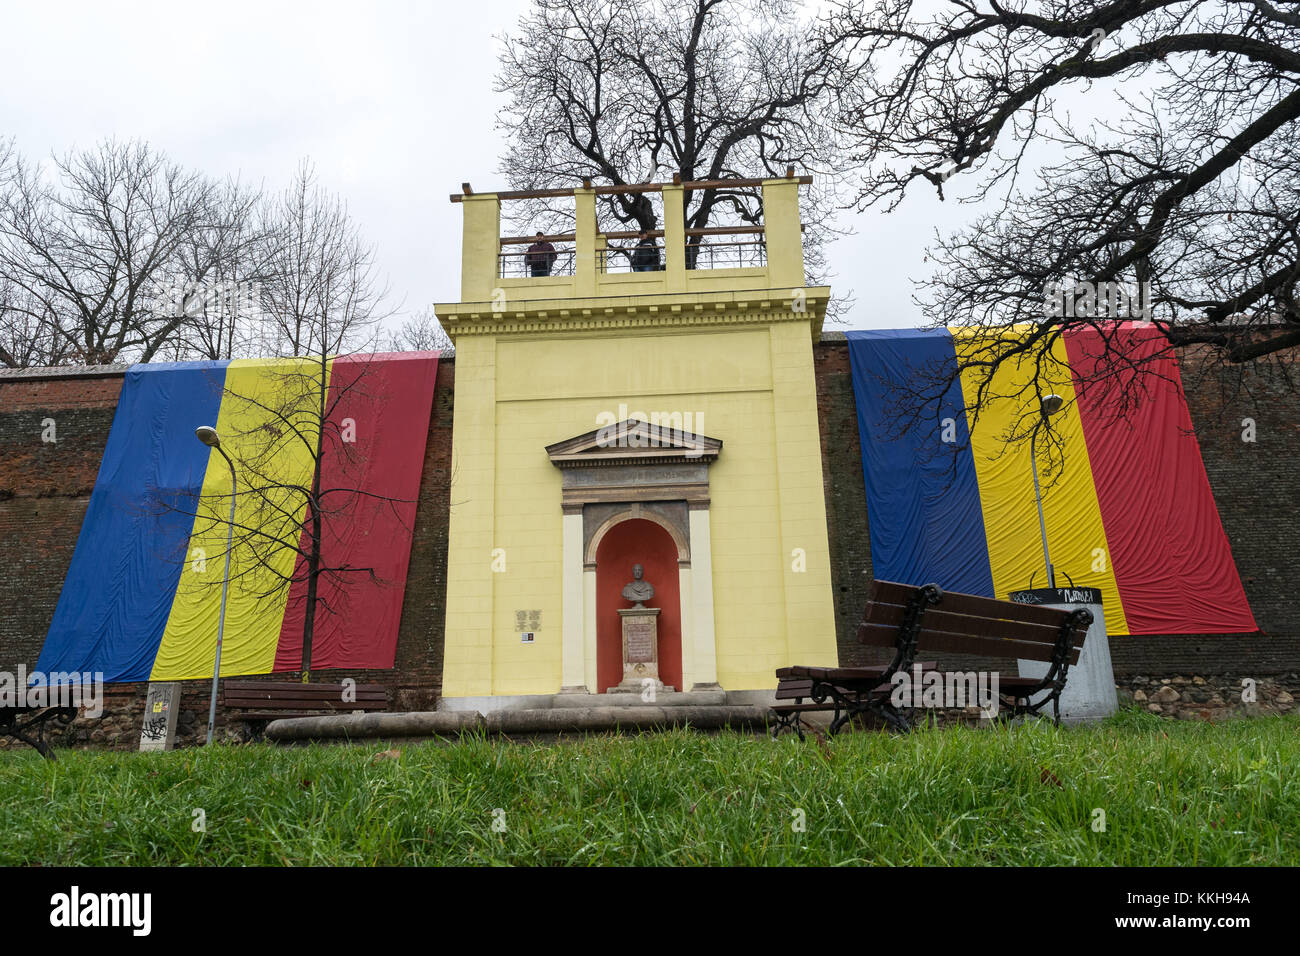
pixel 586 262
pixel 517 262
pixel 718 247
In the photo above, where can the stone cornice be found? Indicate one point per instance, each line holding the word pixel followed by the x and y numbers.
pixel 757 306
pixel 62 371
pixel 633 442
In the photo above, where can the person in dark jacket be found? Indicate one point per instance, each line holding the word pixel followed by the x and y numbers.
pixel 645 255
pixel 540 258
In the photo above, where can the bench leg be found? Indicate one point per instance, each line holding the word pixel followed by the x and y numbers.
pixel 1025 707
pixel 787 722
pixel 896 720
pixel 891 715
pixel 778 725
pixel 35 741
pixel 32 730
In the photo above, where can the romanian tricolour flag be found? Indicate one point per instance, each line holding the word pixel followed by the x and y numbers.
pixel 142 596
pixel 1129 510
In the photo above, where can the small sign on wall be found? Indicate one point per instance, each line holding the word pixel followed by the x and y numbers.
pixel 161 708
pixel 526 637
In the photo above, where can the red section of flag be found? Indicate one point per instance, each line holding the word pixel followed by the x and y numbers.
pixel 371 459
pixel 1167 547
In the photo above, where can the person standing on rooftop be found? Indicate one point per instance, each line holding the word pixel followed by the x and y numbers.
pixel 540 258
pixel 645 255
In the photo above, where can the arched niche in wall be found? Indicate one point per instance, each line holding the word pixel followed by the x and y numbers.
pixel 636 470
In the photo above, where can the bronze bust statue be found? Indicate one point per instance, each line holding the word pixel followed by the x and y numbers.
pixel 638 590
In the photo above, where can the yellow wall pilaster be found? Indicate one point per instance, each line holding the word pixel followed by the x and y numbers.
pixel 473 561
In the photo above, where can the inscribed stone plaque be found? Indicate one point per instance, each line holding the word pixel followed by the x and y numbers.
pixel 640 639
pixel 640 649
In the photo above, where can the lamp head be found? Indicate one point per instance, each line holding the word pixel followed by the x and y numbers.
pixel 1051 404
pixel 208 435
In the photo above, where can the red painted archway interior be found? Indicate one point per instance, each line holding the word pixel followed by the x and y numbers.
pixel 636 541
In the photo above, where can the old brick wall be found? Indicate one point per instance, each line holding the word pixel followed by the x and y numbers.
pixel 846 502
pixel 45 488
pixel 1256 486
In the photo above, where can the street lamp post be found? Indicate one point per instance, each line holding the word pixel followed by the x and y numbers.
pixel 208 435
pixel 1049 406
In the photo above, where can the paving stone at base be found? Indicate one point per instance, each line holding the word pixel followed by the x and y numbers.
pixel 674 699
pixel 548 720
pixel 565 719
pixel 428 723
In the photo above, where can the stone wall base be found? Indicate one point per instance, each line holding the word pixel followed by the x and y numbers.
pixel 1182 697
pixel 1213 697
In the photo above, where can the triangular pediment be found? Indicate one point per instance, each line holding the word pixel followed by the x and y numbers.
pixel 635 440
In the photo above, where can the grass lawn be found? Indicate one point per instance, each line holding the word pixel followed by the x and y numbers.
pixel 1173 793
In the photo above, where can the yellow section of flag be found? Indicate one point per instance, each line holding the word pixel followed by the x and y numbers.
pixel 268 423
pixel 1075 535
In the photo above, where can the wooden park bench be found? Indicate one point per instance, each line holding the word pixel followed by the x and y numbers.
pixel 29 724
pixel 796 696
pixel 911 619
pixel 260 701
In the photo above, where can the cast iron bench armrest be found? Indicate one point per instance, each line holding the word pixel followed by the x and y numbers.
pixel 28 724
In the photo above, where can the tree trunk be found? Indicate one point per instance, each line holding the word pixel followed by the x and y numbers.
pixel 314 517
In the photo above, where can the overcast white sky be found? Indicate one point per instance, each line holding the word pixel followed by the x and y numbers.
pixel 392 101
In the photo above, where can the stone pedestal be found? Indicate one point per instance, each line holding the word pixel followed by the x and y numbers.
pixel 1089 692
pixel 161 708
pixel 640 650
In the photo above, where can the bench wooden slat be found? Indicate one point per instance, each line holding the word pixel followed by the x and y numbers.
pixel 1006 682
pixel 877 636
pixel 802 708
pixel 969 644
pixel 891 592
pixel 939 619
pixel 307 705
pixel 325 694
pixel 834 674
pixel 793 688
pixel 268 700
pixel 805 671
pixel 298 701
pixel 281 687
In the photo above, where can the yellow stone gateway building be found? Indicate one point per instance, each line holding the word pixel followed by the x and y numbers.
pixel 608 416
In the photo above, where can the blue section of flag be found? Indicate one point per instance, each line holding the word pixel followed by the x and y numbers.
pixel 923 503
pixel 119 588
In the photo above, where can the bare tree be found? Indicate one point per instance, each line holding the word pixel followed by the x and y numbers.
pixel 87 241
pixel 322 295
pixel 321 301
pixel 1174 174
pixel 27 337
pixel 622 92
pixel 421 333
pixel 218 273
